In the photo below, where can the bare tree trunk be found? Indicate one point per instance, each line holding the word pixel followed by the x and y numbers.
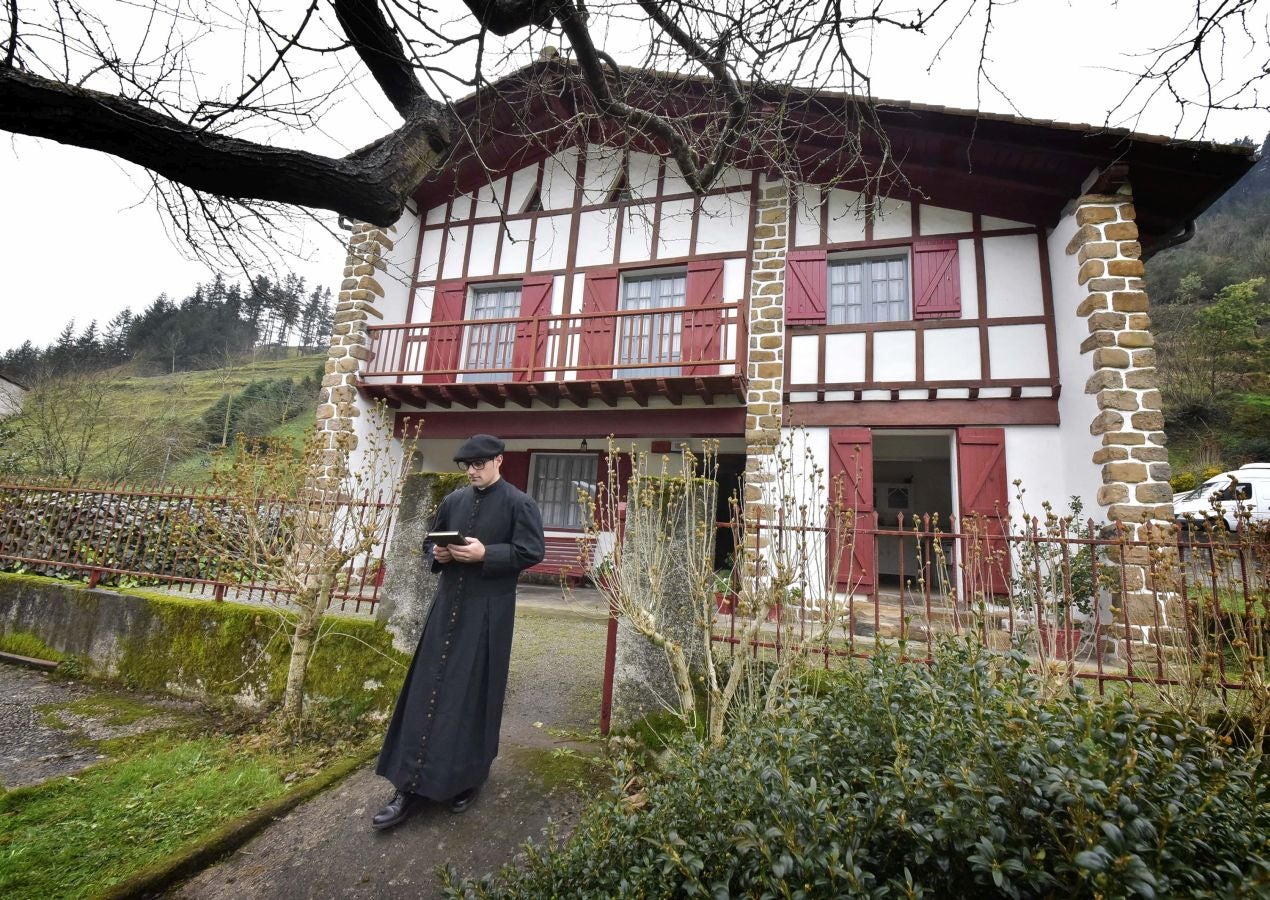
pixel 224 430
pixel 303 643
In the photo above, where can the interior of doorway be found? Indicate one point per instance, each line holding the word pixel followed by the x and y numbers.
pixel 912 476
pixel 731 466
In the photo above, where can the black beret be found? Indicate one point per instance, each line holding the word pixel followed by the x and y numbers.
pixel 479 446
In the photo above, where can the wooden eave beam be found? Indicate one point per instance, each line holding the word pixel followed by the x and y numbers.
pixel 520 394
pixel 458 394
pixel 637 390
pixel 579 392
pixel 607 392
pixel 493 394
pixel 546 392
pixel 434 394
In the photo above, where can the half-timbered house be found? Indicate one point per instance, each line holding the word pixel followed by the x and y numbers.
pixel 983 323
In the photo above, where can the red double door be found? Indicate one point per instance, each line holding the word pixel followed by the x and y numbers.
pixel 983 502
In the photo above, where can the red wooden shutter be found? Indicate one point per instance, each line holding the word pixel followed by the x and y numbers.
pixel 984 505
pixel 704 287
pixel 936 280
pixel 806 284
pixel 516 468
pixel 851 483
pixel 529 357
pixel 595 356
pixel 441 357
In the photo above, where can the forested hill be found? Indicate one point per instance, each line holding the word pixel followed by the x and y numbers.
pixel 1231 243
pixel 1210 310
pixel 205 330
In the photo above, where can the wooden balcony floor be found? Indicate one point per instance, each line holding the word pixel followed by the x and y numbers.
pixel 552 394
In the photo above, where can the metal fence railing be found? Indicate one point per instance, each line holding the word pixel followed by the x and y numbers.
pixel 139 536
pixel 1191 606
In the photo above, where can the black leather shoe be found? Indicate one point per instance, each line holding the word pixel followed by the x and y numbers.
pixel 397 811
pixel 461 801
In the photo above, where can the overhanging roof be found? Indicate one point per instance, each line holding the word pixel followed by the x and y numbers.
pixel 1000 165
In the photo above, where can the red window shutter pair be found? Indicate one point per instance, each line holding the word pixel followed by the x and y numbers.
pixel 445 342
pixel 936 283
pixel 983 507
pixel 701 329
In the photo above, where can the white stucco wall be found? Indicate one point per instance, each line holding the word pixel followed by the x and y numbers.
pixel 1076 409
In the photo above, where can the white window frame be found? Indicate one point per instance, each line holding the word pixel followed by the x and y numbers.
pixel 549 505
pixel 868 307
pixel 490 348
pixel 657 336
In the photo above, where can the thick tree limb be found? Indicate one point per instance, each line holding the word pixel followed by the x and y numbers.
pixel 376 43
pixel 503 17
pixel 371 185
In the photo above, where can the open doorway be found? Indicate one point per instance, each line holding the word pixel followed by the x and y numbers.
pixel 912 477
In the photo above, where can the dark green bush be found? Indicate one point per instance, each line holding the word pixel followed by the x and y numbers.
pixel 957 780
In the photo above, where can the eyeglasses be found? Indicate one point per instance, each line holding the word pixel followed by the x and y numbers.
pixel 465 464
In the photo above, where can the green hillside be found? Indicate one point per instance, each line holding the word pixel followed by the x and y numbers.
pixel 154 428
pixel 1211 313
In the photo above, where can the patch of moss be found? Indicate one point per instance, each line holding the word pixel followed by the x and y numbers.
pixel 561 768
pixel 223 650
pixel 24 643
pixel 445 483
pixel 106 708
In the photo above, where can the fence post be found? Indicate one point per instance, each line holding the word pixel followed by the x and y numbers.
pixel 610 644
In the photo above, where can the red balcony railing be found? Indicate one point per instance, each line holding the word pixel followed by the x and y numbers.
pixel 696 342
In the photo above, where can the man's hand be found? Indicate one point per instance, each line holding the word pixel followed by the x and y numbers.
pixel 472 551
pixel 441 554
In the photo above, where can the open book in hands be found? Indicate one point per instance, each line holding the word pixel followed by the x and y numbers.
pixel 446 538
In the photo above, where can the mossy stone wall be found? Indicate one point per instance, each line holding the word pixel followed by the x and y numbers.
pixel 201 648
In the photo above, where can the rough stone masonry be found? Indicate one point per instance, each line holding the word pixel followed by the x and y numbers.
pixel 1135 468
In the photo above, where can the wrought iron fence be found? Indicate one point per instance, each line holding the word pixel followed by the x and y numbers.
pixel 1190 607
pixel 134 536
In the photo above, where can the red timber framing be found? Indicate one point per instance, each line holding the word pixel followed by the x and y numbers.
pixel 937 303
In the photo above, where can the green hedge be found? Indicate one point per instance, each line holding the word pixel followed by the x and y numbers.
pixel 957 780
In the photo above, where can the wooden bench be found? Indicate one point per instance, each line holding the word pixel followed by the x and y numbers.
pixel 565 557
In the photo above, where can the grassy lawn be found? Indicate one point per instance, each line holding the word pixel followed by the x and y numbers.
pixel 157 794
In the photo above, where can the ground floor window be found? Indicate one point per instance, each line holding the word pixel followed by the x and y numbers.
pixel 555 481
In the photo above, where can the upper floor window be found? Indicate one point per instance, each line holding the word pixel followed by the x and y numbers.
pixel 653 338
pixel 488 348
pixel 920 280
pixel 874 289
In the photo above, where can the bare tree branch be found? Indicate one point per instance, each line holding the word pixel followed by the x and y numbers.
pixel 371 184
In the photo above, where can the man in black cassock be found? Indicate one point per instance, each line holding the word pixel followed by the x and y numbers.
pixel 444 732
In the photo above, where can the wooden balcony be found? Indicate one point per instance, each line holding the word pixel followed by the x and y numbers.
pixel 671 352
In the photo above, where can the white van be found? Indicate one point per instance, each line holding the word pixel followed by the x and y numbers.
pixel 1247 487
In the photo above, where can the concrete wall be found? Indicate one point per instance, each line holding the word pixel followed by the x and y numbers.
pixel 200 648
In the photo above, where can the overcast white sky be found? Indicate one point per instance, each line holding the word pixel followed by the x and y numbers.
pixel 79 239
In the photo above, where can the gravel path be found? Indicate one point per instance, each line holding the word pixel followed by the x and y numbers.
pixel 38 741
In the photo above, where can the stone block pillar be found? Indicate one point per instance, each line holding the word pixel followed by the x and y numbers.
pixel 337 403
pixel 1135 469
pixel 765 367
